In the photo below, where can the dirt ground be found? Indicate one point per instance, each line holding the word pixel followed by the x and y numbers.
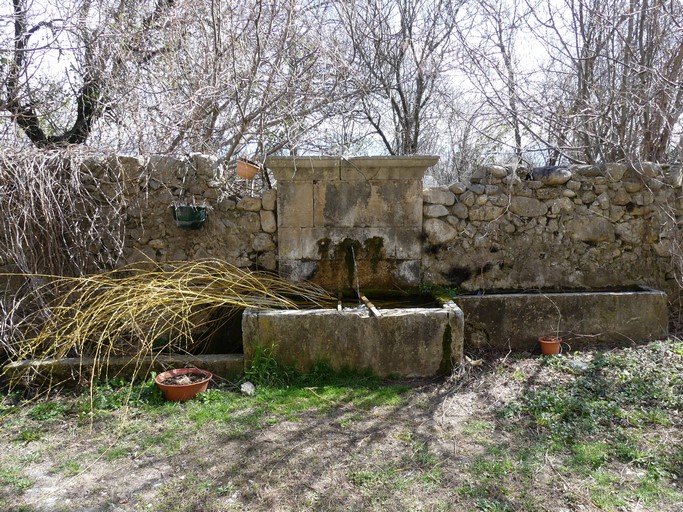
pixel 441 446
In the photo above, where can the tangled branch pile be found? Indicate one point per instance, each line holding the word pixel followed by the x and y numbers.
pixel 143 309
pixel 61 217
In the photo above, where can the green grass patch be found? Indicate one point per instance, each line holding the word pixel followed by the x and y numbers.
pixel 14 478
pixel 612 408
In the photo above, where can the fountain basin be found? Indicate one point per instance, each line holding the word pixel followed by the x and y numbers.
pixel 404 342
pixel 514 321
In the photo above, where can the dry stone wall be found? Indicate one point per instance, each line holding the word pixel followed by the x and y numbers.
pixel 578 227
pixel 242 231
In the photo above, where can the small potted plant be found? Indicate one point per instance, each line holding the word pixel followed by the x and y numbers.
pixel 550 344
pixel 189 215
pixel 247 169
pixel 183 383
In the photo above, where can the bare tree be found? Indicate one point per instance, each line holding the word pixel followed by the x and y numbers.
pixel 490 63
pixel 619 76
pixel 64 61
pixel 401 51
pixel 171 75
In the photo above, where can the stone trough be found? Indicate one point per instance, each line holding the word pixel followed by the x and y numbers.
pixel 514 321
pixel 405 342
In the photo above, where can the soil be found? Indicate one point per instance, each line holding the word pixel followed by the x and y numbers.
pixel 436 450
pixel 184 380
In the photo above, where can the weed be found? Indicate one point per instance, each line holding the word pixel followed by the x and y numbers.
pixel 46 411
pixel 68 468
pixel 440 292
pixel 29 435
pixel 265 369
pixel 476 428
pixel 13 477
pixel 591 454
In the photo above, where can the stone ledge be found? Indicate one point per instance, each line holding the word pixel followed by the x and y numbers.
pixel 70 371
pixel 313 168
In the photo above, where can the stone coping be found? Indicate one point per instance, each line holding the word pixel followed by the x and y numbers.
pixel 310 168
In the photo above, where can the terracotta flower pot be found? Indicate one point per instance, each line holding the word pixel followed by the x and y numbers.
pixel 550 344
pixel 246 169
pixel 183 383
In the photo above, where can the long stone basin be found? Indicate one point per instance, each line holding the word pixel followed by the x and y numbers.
pixel 514 321
pixel 405 342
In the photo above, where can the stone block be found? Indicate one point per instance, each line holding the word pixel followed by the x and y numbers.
pixel 485 213
pixel 674 175
pixel 367 203
pixel 615 171
pixel 438 196
pixel 296 270
pixel 267 260
pixel 289 241
pixel 590 229
pixel 404 168
pixel 460 211
pixel 205 165
pixel 295 204
pixel 552 176
pixel 561 205
pixel 621 197
pixel 304 169
pixel 268 200
pixel 458 188
pixel 408 245
pixel 249 222
pixel 588 171
pixel 527 207
pixel 408 342
pixel 438 231
pixel 262 242
pixel 478 189
pixel 249 204
pixel 632 232
pixel 515 321
pixel 434 211
pixel 268 221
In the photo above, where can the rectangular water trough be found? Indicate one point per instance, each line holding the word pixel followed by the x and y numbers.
pixel 405 342
pixel 514 321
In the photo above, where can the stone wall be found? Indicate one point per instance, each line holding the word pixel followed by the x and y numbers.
pixel 242 231
pixel 579 227
pixel 575 227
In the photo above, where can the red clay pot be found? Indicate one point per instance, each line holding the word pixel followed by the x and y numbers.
pixel 246 169
pixel 550 345
pixel 181 392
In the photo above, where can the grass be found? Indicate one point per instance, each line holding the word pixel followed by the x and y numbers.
pixel 607 433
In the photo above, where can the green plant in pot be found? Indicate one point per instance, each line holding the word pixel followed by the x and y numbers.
pixel 189 215
pixel 551 344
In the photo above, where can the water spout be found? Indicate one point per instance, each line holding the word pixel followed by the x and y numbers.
pixel 355 273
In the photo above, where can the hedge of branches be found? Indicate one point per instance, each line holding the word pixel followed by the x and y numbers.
pixel 62 215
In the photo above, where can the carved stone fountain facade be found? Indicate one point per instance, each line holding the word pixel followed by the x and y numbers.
pixel 349 223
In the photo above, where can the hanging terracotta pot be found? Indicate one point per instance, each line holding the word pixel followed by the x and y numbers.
pixel 246 169
pixel 183 383
pixel 550 344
